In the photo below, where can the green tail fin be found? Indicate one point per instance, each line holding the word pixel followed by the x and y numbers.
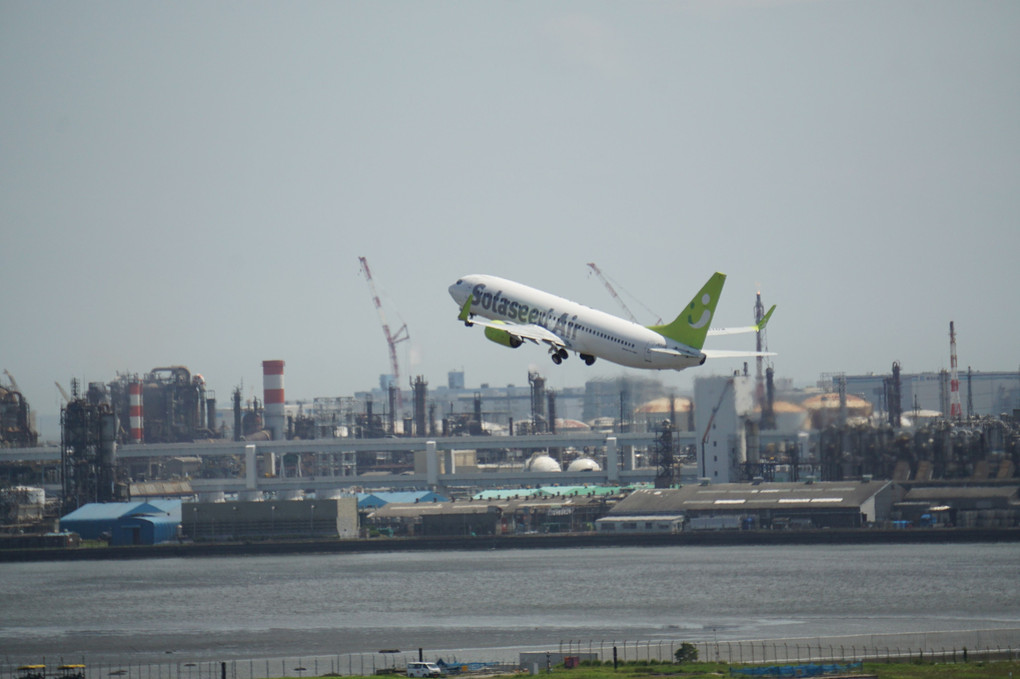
pixel 691 326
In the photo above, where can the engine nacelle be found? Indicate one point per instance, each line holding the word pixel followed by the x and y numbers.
pixel 504 337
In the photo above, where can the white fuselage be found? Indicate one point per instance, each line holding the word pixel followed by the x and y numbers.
pixel 582 329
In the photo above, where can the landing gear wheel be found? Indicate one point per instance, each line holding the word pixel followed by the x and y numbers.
pixel 588 359
pixel 557 359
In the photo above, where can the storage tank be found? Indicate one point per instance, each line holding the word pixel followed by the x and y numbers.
pixel 584 464
pixel 565 425
pixel 541 462
pixel 824 409
pixel 790 417
pixel 654 410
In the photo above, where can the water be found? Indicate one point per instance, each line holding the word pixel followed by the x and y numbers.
pixel 222 608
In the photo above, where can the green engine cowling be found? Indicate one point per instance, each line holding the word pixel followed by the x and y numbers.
pixel 504 337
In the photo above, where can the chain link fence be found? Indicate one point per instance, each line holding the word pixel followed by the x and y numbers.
pixel 969 646
pixel 936 646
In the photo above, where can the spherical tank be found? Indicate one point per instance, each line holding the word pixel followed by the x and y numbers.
pixel 543 463
pixel 584 464
pixel 789 416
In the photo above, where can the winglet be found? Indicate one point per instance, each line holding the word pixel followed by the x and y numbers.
pixel 465 311
pixel 765 319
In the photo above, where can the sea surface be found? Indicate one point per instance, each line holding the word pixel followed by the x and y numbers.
pixel 160 610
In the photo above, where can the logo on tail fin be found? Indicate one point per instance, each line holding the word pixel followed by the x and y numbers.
pixel 706 315
pixel 684 328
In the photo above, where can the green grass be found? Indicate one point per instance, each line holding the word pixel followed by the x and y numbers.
pixel 1004 669
pixel 906 670
pixel 975 670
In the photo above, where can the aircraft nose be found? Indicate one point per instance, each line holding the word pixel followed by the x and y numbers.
pixel 456 292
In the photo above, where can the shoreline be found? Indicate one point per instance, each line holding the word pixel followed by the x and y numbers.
pixel 719 538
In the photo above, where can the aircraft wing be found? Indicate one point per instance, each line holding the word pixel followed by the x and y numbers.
pixel 743 329
pixel 529 331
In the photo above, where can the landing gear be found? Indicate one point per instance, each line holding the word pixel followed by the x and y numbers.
pixel 559 355
pixel 587 358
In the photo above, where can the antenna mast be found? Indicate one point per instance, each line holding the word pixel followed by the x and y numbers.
pixel 391 338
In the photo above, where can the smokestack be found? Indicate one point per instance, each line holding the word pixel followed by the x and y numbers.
pixel 272 388
pixel 136 415
pixel 210 409
pixel 955 409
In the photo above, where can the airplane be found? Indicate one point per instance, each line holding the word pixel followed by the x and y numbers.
pixel 513 313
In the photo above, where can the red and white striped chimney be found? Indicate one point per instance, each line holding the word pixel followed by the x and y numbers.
pixel 272 387
pixel 955 408
pixel 136 416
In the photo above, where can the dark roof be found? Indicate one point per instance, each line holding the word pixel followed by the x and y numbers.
pixel 730 497
pixel 941 493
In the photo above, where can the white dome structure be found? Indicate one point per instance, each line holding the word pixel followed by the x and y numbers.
pixel 540 462
pixel 571 425
pixel 584 464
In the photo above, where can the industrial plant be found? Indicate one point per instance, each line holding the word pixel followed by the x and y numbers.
pixel 154 457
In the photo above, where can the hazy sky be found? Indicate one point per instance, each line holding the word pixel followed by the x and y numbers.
pixel 192 183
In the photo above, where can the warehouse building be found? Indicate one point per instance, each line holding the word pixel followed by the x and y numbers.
pixel 282 519
pixel 546 510
pixel 844 504
pixel 126 523
pixel 966 506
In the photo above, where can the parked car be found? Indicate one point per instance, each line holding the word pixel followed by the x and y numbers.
pixel 423 669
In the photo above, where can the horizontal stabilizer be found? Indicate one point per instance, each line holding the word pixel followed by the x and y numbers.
pixel 675 352
pixel 723 353
pixel 716 332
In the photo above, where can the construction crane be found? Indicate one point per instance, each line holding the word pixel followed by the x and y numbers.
pixel 605 281
pixel 63 392
pixel 14 383
pixel 391 339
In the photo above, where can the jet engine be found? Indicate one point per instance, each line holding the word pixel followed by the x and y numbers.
pixel 504 337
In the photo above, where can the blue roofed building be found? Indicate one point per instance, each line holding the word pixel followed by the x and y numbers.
pixel 126 523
